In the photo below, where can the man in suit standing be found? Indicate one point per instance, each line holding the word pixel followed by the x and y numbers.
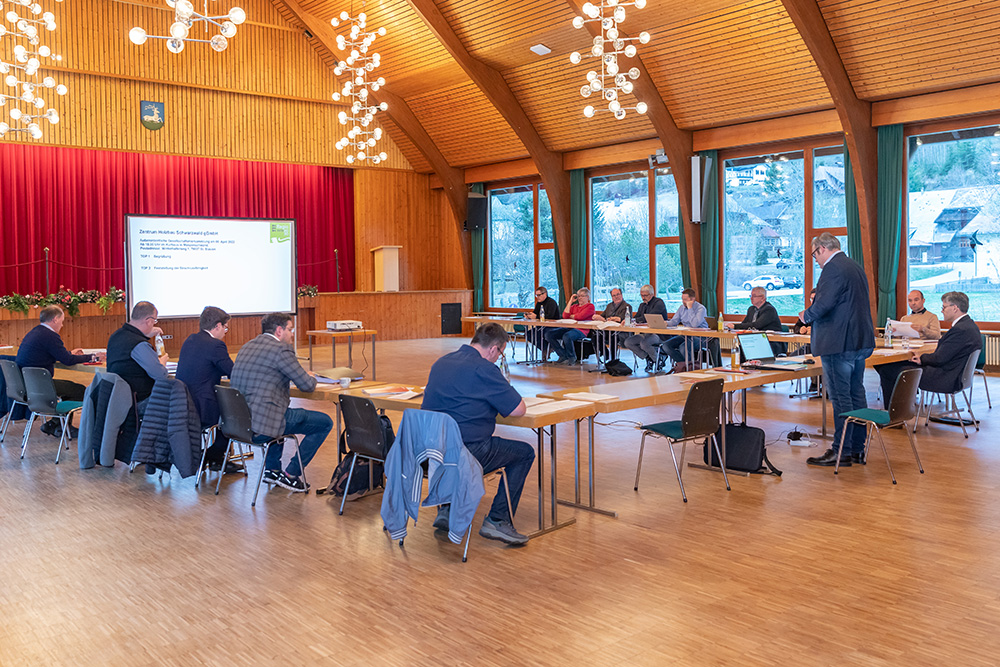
pixel 42 347
pixel 944 366
pixel 262 371
pixel 843 336
pixel 203 362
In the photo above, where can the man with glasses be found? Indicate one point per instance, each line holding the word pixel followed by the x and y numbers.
pixel 944 366
pixel 203 362
pixel 616 311
pixel 644 346
pixel 131 356
pixel 546 308
pixel 843 336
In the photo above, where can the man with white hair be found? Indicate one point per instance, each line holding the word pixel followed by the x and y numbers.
pixel 761 315
pixel 644 346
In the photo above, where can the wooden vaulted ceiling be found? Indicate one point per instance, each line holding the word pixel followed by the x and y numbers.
pixel 713 62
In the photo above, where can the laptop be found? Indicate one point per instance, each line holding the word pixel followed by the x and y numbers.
pixel 656 321
pixel 757 347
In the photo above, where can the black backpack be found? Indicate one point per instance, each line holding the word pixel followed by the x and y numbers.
pixel 745 450
pixel 617 368
pixel 360 478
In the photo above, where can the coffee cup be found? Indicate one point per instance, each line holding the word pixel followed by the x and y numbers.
pixel 345 382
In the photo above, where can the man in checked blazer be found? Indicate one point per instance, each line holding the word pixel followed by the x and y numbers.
pixel 262 371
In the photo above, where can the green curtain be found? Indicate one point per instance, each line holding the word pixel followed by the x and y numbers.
pixel 578 227
pixel 854 242
pixel 710 237
pixel 478 260
pixel 685 268
pixel 890 216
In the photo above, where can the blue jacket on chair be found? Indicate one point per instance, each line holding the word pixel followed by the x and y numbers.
pixel 840 315
pixel 455 475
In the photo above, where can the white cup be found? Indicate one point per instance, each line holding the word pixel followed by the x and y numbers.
pixel 345 382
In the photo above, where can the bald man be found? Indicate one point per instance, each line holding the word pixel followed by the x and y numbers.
pixel 923 322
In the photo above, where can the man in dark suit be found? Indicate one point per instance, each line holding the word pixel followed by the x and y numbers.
pixel 944 366
pixel 843 336
pixel 262 371
pixel 761 315
pixel 203 362
pixel 42 347
pixel 644 346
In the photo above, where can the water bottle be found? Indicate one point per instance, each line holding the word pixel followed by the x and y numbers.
pixel 631 319
pixel 888 335
pixel 541 315
pixel 161 349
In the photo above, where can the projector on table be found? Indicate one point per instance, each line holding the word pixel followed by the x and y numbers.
pixel 343 325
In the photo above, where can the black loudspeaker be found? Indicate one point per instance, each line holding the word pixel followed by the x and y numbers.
pixel 451 319
pixel 476 215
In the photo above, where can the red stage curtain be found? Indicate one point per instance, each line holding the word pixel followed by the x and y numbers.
pixel 74 202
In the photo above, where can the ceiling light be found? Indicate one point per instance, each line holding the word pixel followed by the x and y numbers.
pixel 541 50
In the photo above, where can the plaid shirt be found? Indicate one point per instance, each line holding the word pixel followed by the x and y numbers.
pixel 262 370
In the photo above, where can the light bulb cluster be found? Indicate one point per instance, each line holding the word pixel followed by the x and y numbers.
pixel 185 17
pixel 611 82
pixel 358 66
pixel 19 65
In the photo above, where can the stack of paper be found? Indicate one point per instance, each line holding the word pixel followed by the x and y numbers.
pixel 588 396
pixel 554 406
pixel 534 400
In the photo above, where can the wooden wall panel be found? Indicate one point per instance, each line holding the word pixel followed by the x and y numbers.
pixel 400 208
pixel 891 49
pixel 395 315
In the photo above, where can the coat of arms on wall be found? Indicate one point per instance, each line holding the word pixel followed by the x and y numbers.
pixel 151 115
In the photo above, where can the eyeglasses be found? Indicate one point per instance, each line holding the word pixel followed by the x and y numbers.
pixel 815 250
pixel 153 318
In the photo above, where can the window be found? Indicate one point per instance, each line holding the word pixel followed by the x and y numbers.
pixel 764 229
pixel 521 252
pixel 953 217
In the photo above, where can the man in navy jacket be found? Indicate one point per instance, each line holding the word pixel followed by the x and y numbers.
pixel 203 362
pixel 843 336
pixel 42 347
pixel 944 366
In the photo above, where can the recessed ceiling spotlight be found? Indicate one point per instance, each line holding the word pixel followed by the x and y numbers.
pixel 541 50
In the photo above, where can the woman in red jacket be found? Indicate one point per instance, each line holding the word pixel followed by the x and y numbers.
pixel 562 340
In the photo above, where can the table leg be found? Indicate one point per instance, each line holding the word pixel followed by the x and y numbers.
pixel 333 350
pixel 591 506
pixel 542 529
pixel 576 459
pixel 373 356
pixel 310 351
pixel 350 350
pixel 552 454
pixel 725 407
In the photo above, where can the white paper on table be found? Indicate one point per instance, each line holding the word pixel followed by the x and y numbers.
pixel 605 324
pixel 587 396
pixel 697 375
pixel 171 367
pixel 406 395
pixel 902 329
pixel 554 406
pixel 94 350
pixel 534 400
pixel 325 380
pixel 567 320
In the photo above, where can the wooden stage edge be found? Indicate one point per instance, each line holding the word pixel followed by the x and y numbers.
pixel 395 315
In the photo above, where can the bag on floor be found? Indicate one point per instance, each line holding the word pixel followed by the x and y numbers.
pixel 618 368
pixel 745 450
pixel 360 485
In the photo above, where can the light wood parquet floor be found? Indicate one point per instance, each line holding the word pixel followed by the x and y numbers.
pixel 103 567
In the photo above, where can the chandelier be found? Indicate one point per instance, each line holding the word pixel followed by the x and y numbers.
pixel 610 82
pixel 359 65
pixel 20 66
pixel 185 17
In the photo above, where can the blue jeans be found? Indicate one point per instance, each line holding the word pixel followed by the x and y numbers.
pixel 844 375
pixel 676 347
pixel 563 342
pixel 514 455
pixel 315 426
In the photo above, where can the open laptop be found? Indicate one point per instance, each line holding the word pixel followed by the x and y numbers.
pixel 656 321
pixel 756 347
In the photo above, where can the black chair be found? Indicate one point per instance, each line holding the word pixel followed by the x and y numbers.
pixel 902 408
pixel 968 374
pixel 16 394
pixel 584 348
pixel 363 435
pixel 208 436
pixel 44 402
pixel 236 424
pixel 699 421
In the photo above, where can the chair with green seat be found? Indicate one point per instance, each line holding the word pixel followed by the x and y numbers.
pixel 981 370
pixel 699 421
pixel 44 402
pixel 902 408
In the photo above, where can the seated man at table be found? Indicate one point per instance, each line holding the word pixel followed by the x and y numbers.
pixel 562 340
pixel 42 347
pixel 132 357
pixel 690 314
pixel 203 362
pixel 761 315
pixel 644 346
pixel 943 367
pixel 923 321
pixel 262 371
pixel 546 308
pixel 619 311
pixel 467 385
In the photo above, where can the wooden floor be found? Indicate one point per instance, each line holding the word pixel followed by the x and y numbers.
pixel 103 567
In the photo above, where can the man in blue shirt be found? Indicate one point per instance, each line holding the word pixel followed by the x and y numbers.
pixel 467 385
pixel 690 314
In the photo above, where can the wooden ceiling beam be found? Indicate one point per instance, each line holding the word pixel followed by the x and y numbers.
pixel 495 88
pixel 451 178
pixel 678 146
pixel 856 119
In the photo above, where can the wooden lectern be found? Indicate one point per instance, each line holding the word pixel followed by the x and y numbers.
pixel 387 268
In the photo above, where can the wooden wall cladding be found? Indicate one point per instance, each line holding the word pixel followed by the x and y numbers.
pixel 400 208
pixel 891 49
pixel 395 315
pixel 735 64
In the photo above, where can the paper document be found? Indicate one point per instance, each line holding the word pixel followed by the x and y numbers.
pixel 323 380
pixel 901 329
pixel 171 366
pixel 605 324
pixel 534 400
pixel 386 390
pixel 588 396
pixel 94 350
pixel 554 406
pixel 566 320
